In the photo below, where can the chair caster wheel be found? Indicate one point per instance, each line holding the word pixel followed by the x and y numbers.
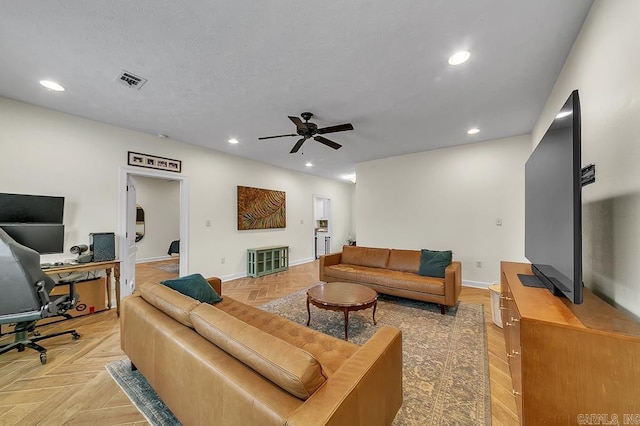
pixel 43 358
pixel 75 336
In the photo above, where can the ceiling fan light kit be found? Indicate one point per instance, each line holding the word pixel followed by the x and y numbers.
pixel 308 130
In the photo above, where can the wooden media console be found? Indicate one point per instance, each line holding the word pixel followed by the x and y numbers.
pixel 568 361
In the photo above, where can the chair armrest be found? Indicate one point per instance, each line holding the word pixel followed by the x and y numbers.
pixel 216 283
pixel 328 260
pixel 365 390
pixel 452 283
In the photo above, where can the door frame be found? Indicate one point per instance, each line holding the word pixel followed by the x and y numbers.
pixel 123 178
pixel 316 197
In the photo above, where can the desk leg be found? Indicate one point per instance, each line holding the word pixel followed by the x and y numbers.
pixel 108 284
pixel 116 276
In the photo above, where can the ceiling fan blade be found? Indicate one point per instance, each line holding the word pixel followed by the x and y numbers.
pixel 297 146
pixel 333 129
pixel 279 136
pixel 327 142
pixel 299 124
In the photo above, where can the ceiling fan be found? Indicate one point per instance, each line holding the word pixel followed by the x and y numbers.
pixel 308 130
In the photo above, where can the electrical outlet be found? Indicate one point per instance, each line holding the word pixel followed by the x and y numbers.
pixel 207 223
pixel 498 222
pixel 478 264
pixel 301 221
pixel 222 260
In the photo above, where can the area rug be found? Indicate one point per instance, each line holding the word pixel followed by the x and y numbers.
pixel 445 362
pixel 141 394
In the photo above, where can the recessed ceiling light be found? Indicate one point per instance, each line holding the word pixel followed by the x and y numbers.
pixel 233 141
pixel 473 131
pixel 308 164
pixel 52 85
pixel 459 57
pixel 563 114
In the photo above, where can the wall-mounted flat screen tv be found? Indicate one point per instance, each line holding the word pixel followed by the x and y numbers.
pixel 553 205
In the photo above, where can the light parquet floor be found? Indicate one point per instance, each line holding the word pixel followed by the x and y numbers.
pixel 74 388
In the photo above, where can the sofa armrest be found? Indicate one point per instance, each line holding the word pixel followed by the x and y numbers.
pixel 452 283
pixel 328 260
pixel 366 390
pixel 216 283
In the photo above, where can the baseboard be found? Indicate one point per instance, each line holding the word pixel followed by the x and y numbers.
pixel 476 284
pixel 153 259
pixel 301 261
pixel 237 275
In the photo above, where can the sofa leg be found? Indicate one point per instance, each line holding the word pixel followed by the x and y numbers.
pixel 133 367
pixel 443 309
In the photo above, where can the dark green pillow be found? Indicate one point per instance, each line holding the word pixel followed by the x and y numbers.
pixel 194 286
pixel 433 263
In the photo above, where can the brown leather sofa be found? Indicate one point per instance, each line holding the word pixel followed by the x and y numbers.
pixel 394 272
pixel 234 364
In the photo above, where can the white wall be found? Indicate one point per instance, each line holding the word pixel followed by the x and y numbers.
pixel 448 199
pixel 160 200
pixel 604 66
pixel 50 153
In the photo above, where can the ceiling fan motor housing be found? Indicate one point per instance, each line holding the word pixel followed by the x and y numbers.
pixel 311 130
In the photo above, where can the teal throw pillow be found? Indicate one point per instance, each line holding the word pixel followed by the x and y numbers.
pixel 194 286
pixel 433 263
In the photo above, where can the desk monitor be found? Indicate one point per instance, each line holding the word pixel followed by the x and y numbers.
pixel 43 238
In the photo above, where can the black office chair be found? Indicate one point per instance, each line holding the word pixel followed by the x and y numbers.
pixel 24 296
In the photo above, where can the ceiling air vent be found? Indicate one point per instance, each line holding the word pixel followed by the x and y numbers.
pixel 131 80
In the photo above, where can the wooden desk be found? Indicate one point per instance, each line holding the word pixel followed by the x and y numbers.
pixel 108 266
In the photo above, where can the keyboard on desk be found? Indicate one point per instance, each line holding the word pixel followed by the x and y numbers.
pixel 54 265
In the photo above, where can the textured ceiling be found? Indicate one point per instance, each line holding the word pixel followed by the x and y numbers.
pixel 218 70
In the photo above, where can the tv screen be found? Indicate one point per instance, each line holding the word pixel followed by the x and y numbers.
pixel 553 212
pixel 19 208
pixel 43 238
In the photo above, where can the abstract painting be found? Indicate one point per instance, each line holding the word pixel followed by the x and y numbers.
pixel 261 208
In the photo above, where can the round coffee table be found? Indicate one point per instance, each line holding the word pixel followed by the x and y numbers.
pixel 345 297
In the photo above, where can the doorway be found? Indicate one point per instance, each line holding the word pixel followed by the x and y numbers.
pixel 321 225
pixel 127 222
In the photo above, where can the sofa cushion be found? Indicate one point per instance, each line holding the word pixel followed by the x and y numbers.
pixel 291 368
pixel 194 286
pixel 331 352
pixel 169 301
pixel 433 263
pixel 404 260
pixel 365 256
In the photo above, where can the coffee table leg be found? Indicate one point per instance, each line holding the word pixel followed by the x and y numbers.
pixel 308 312
pixel 375 305
pixel 346 323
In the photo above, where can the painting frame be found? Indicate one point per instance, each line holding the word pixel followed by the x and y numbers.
pixel 259 208
pixel 139 159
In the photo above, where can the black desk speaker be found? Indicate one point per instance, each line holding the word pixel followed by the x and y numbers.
pixel 103 246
